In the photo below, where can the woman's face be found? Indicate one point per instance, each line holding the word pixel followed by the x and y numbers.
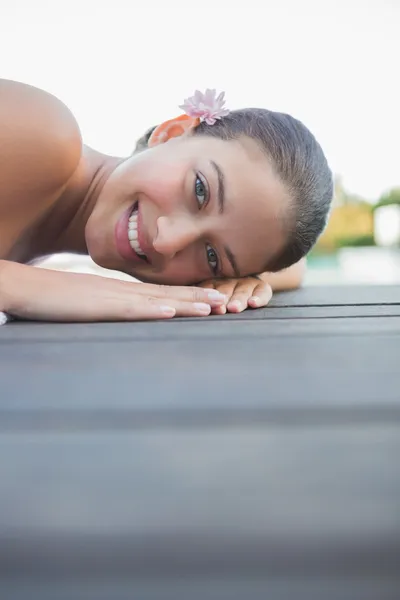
pixel 196 207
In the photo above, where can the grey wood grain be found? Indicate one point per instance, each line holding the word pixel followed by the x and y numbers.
pixel 339 295
pixel 242 457
pixel 260 323
pixel 229 587
pixel 238 365
pixel 246 505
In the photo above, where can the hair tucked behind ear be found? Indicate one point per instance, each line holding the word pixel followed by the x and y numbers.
pixel 298 161
pixel 142 142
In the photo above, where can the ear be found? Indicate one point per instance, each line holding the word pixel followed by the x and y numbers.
pixel 173 128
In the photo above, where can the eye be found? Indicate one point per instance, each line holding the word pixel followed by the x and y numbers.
pixel 201 191
pixel 212 258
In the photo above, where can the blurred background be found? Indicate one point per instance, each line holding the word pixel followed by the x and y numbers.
pixel 124 65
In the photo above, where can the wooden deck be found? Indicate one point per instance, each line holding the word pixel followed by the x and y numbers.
pixel 237 457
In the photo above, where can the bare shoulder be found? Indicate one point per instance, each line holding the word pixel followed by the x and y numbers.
pixel 40 145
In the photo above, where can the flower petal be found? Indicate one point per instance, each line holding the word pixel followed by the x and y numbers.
pixel 220 99
pixel 208 107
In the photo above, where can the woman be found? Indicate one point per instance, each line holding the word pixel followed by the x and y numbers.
pixel 215 197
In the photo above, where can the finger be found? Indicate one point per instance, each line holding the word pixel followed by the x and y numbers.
pixel 259 291
pixel 261 296
pixel 134 308
pixel 150 308
pixel 192 294
pixel 190 309
pixel 226 287
pixel 218 310
pixel 240 295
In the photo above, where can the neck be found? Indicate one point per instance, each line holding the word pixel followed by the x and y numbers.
pixel 67 219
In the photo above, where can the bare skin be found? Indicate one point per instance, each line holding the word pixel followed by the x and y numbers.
pixel 57 195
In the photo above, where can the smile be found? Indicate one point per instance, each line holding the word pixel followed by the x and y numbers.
pixel 133 233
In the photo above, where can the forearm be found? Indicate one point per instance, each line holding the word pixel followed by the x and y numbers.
pixel 4 316
pixel 33 293
pixel 288 279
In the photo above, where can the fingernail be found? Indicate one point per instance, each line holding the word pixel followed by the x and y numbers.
pixel 168 311
pixel 235 304
pixel 204 309
pixel 215 295
pixel 255 300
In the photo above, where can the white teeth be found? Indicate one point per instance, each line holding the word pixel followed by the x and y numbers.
pixel 133 234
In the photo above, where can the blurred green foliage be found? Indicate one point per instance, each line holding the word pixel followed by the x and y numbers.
pixel 391 197
pixel 351 222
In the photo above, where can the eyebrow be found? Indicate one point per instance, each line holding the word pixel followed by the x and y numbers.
pixel 221 207
pixel 232 260
pixel 221 186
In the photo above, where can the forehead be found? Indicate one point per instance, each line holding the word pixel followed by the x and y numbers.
pixel 256 201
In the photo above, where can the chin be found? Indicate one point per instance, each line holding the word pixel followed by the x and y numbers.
pixel 97 249
pixel 96 252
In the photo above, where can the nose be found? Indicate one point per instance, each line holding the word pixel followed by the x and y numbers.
pixel 174 234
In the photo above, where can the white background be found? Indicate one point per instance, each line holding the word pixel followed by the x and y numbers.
pixel 125 65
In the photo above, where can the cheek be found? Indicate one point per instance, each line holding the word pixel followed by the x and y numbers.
pixel 164 187
pixel 182 270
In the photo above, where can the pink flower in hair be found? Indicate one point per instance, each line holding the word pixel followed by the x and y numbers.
pixel 207 107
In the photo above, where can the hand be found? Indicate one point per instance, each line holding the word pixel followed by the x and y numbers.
pixel 240 293
pixel 41 294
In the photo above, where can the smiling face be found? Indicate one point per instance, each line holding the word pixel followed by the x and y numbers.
pixel 197 207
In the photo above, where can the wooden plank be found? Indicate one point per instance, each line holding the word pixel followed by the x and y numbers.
pixel 214 485
pixel 215 369
pixel 339 295
pixel 251 456
pixel 260 323
pixel 230 587
pixel 202 504
pixel 312 312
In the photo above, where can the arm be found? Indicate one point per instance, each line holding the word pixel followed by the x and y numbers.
pixel 28 292
pixel 40 148
pixel 288 279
